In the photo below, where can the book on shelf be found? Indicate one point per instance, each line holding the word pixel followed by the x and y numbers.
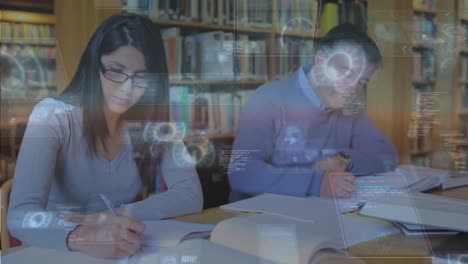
pixel 424 67
pixel 25 32
pixel 463 8
pixel 291 53
pixel 173 47
pixel 215 56
pixel 329 17
pixel 464 35
pixel 31 71
pixel 297 16
pixel 212 113
pixel 424 29
pixel 223 12
pixel 29 51
pixel 463 72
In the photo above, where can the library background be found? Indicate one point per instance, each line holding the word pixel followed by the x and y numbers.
pixel 220 51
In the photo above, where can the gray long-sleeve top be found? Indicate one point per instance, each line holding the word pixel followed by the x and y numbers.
pixel 284 130
pixel 54 174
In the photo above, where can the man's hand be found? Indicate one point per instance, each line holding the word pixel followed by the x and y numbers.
pixel 119 237
pixel 334 164
pixel 337 184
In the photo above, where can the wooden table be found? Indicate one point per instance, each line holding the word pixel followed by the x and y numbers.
pixel 396 248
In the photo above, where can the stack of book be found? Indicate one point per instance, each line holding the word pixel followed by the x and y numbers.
pixel 424 65
pixel 424 29
pixel 212 113
pixel 291 53
pixel 214 56
pixel 297 15
pixel 20 32
pixel 223 12
pixel 29 51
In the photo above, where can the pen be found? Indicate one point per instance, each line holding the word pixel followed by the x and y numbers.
pixel 108 203
pixel 112 209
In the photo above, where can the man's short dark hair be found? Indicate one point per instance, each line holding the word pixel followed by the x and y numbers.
pixel 348 33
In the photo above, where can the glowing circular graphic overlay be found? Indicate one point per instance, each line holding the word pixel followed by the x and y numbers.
pixel 451 30
pixel 29 54
pixel 202 152
pixel 164 132
pixel 343 66
pixel 37 220
pixel 22 73
pixel 285 28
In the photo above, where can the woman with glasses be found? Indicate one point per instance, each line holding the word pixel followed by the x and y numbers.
pixel 95 147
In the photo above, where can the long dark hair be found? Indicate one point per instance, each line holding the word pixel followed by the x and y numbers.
pixel 85 88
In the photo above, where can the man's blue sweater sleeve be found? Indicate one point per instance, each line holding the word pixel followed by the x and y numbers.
pixel 370 151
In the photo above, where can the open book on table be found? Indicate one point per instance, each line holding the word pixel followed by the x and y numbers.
pixel 405 179
pixel 421 209
pixel 321 212
pixel 251 239
pixel 259 238
pixel 157 236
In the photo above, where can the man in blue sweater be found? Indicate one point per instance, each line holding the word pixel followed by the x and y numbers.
pixel 304 135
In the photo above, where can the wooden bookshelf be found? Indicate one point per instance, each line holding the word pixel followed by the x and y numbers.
pixel 17 102
pixel 424 11
pixel 26 17
pixel 29 42
pixel 396 81
pixel 298 34
pixel 74 14
pixel 460 114
pixel 416 125
pixel 215 83
pixel 204 26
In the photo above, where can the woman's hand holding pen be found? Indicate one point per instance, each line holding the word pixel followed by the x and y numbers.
pixel 117 237
pixel 93 219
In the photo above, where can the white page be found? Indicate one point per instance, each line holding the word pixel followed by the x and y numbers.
pixel 165 234
pixel 168 233
pixel 453 182
pixel 299 208
pixel 51 256
pixel 420 208
pixel 202 252
pixel 406 178
pixel 322 213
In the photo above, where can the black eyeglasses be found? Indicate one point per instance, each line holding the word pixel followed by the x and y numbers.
pixel 139 80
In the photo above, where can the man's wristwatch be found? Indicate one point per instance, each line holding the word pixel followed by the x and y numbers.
pixel 344 157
